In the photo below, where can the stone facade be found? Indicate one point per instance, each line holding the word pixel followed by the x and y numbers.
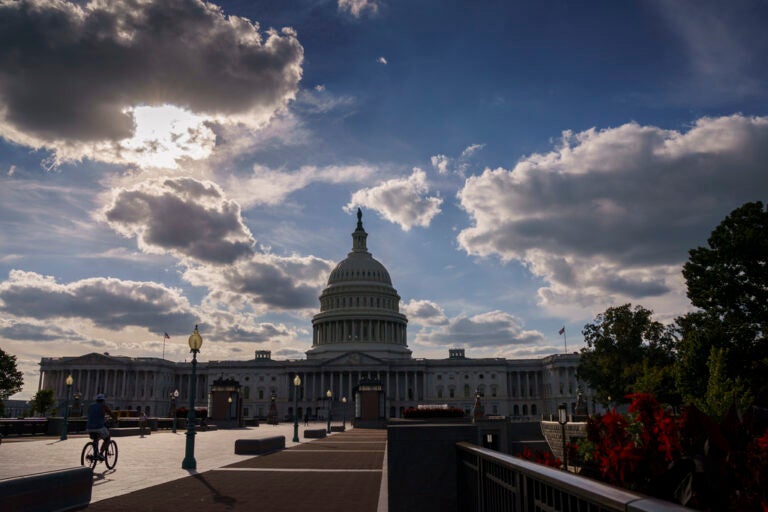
pixel 359 333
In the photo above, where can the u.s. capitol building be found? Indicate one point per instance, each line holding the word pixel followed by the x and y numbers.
pixel 358 335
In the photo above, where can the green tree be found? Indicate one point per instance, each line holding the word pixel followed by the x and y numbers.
pixel 43 401
pixel 11 379
pixel 627 351
pixel 728 282
pixel 721 391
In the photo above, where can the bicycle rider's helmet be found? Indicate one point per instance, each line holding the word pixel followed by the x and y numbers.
pixel 100 397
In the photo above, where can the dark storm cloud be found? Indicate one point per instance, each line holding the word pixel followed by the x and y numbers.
pixel 259 333
pixel 15 330
pixel 68 71
pixel 107 302
pixel 266 281
pixel 184 216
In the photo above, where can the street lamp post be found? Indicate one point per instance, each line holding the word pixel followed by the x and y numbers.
pixel 329 394
pixel 562 419
pixel 68 382
pixel 174 396
pixel 189 462
pixel 296 384
pixel 344 413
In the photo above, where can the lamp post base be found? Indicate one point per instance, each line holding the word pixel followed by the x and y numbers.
pixel 189 461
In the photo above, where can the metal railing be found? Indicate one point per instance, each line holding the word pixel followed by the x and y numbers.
pixel 489 481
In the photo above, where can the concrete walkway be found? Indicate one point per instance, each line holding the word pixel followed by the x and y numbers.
pixel 148 474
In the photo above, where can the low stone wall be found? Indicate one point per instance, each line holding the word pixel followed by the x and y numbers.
pixel 314 433
pixel 259 446
pixel 64 489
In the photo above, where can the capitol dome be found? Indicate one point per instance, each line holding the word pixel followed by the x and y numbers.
pixel 359 308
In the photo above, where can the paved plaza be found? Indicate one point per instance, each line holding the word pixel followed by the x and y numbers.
pixel 345 470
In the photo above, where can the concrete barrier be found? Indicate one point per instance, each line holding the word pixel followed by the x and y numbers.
pixel 316 433
pixel 337 428
pixel 64 489
pixel 422 467
pixel 259 446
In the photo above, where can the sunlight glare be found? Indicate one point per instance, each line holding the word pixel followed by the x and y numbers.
pixel 165 134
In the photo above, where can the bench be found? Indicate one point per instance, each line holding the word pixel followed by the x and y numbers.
pixel 259 446
pixel 64 489
pixel 337 428
pixel 314 433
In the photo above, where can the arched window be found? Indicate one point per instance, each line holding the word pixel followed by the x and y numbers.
pixel 516 410
pixel 439 392
pixel 247 392
pixel 261 394
pixel 533 409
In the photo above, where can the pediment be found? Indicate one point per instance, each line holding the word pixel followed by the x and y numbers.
pixel 351 359
pixel 95 359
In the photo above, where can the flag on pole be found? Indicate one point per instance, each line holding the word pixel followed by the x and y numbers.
pixel 561 331
pixel 166 336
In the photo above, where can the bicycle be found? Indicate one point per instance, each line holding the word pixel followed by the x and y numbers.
pixel 89 456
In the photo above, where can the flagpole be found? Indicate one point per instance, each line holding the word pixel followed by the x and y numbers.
pixel 163 347
pixel 565 340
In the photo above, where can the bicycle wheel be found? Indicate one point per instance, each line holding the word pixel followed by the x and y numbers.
pixel 111 455
pixel 88 457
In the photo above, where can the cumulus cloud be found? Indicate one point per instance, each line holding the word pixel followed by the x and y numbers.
pixel 183 216
pixel 609 215
pixel 272 187
pixel 492 329
pixel 382 60
pixel 459 166
pixel 440 163
pixel 403 201
pixel 358 7
pixel 264 282
pixel 71 74
pixel 424 312
pixel 107 302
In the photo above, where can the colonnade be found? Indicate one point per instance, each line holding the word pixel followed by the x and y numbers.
pixel 399 385
pixel 123 385
pixel 339 331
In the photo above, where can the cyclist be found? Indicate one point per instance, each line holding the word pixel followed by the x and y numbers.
pixel 96 413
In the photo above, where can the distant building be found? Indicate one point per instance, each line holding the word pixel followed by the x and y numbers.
pixel 358 334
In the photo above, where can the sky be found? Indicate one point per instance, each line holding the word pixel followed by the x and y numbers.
pixel 521 166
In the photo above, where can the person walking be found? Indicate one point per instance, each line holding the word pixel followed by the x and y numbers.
pixel 96 425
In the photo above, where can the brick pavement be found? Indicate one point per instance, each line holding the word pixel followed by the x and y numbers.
pixel 341 472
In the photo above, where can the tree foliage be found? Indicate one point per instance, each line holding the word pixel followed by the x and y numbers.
pixel 627 351
pixel 11 379
pixel 43 401
pixel 728 281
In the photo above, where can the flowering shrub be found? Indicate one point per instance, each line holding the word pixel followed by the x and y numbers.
pixel 538 457
pixel 450 412
pixel 692 459
pixel 631 450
